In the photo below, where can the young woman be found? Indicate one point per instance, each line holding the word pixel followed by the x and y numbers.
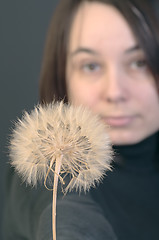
pixel 103 54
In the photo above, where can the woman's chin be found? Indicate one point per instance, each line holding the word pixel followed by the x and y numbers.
pixel 126 138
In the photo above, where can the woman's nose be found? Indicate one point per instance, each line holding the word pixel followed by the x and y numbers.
pixel 114 89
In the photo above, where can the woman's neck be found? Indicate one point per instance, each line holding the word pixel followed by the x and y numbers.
pixel 142 156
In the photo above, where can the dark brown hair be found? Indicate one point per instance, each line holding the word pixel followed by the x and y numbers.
pixel 141 17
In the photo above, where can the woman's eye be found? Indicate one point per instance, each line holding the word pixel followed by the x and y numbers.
pixel 139 63
pixel 91 67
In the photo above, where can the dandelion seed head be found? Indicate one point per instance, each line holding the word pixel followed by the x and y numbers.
pixel 59 130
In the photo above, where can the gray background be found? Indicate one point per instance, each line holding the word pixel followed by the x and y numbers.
pixel 23 26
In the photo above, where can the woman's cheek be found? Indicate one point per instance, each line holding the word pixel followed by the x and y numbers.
pixel 84 96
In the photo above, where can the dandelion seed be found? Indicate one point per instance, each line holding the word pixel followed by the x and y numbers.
pixel 62 140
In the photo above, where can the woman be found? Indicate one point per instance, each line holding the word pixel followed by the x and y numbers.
pixel 103 55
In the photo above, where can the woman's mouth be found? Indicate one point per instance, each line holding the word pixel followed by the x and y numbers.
pixel 121 121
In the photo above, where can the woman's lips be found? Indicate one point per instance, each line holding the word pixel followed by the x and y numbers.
pixel 118 121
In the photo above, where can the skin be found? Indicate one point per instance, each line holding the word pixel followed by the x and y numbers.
pixel 107 72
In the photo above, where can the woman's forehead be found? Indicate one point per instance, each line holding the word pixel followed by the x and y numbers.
pixel 97 24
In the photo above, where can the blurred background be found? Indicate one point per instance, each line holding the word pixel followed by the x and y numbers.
pixel 23 27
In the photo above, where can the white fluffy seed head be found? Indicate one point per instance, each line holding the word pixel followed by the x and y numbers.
pixel 59 130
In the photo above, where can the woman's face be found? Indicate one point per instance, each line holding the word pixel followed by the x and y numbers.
pixel 107 72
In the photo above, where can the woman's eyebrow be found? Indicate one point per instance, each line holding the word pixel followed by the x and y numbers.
pixel 93 52
pixel 133 49
pixel 83 50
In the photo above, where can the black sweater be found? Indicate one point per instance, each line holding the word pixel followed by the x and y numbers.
pixel 129 196
pixel 125 206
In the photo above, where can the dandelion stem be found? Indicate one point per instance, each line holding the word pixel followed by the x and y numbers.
pixel 56 176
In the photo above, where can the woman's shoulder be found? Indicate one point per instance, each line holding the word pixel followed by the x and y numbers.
pixel 78 217
pixel 23 207
pixel 28 214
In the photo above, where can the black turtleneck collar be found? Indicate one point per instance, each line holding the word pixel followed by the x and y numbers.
pixel 142 156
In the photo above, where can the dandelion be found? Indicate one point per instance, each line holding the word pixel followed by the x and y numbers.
pixel 60 139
